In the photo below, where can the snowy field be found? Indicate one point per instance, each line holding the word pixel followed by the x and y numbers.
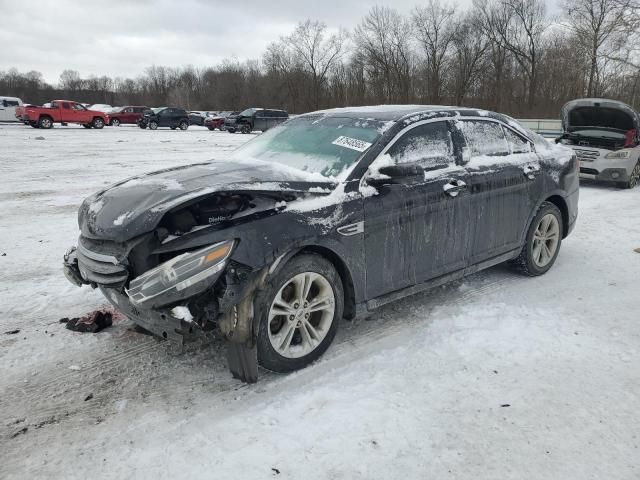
pixel 497 377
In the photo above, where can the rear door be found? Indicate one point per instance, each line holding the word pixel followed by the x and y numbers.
pixel 417 231
pixel 260 120
pixel 502 171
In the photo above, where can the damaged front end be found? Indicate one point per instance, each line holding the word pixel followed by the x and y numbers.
pixel 180 278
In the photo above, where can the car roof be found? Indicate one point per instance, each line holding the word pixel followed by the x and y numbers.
pixel 397 112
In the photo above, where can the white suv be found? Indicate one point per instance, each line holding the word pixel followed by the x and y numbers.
pixel 605 134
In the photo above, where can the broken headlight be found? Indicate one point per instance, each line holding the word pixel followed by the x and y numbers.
pixel 172 280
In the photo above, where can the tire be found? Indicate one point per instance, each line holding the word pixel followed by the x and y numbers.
pixel 245 129
pixel 45 122
pixel 142 126
pixel 183 125
pixel 300 325
pixel 544 235
pixel 634 178
pixel 114 122
pixel 97 123
pixel 231 130
pixel 173 128
pixel 153 125
pixel 211 129
pixel 86 125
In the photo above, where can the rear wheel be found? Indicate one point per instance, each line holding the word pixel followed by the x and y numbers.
pixel 543 241
pixel 115 122
pixel 97 123
pixel 45 122
pixel 153 125
pixel 302 308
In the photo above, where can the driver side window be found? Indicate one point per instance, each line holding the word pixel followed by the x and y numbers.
pixel 428 145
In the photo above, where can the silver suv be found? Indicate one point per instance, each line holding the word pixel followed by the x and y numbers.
pixel 605 134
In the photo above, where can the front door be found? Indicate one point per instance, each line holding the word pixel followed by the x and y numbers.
pixel 503 171
pixel 417 231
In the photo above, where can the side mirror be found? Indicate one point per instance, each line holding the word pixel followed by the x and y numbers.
pixel 403 173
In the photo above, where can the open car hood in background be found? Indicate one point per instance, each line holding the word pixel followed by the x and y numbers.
pixel 599 113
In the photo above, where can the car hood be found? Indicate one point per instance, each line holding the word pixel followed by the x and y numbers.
pixel 599 113
pixel 135 206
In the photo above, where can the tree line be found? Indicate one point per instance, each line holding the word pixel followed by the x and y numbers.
pixel 505 55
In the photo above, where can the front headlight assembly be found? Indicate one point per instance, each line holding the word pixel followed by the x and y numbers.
pixel 169 281
pixel 618 154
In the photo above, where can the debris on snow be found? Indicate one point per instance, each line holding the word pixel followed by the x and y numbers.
pixel 39 138
pixel 12 332
pixel 91 323
pixel 88 397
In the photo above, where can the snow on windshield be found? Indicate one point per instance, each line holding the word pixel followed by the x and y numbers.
pixel 320 144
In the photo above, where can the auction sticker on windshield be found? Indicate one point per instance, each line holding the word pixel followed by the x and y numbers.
pixel 352 143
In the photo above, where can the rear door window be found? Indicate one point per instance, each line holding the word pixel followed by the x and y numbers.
pixel 484 137
pixel 428 145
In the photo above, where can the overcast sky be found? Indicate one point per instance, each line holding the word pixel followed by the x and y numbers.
pixel 121 38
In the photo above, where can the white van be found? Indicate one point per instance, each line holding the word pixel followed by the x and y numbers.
pixel 8 108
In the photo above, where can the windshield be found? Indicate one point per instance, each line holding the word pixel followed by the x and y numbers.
pixel 158 110
pixel 247 113
pixel 314 144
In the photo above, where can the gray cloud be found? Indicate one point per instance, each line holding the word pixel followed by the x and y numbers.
pixel 121 38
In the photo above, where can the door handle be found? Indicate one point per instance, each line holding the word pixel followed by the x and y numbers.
pixel 530 171
pixel 454 187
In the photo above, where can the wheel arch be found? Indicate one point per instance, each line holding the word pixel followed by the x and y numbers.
pixel 338 263
pixel 560 202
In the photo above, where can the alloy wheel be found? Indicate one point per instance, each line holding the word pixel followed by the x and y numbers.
pixel 635 175
pixel 545 240
pixel 301 315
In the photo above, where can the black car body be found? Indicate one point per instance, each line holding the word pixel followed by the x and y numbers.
pixel 261 119
pixel 164 117
pixel 395 200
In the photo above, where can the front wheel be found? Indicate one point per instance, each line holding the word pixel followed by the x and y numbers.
pixel 634 178
pixel 153 125
pixel 97 123
pixel 115 122
pixel 543 241
pixel 245 129
pixel 183 125
pixel 301 308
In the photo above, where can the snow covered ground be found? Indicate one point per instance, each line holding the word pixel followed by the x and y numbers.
pixel 497 377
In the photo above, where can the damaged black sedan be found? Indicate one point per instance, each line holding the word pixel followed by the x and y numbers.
pixel 326 216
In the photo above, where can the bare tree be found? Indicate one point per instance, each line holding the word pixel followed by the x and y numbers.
pixel 435 30
pixel 518 26
pixel 316 51
pixel 383 47
pixel 469 45
pixel 601 27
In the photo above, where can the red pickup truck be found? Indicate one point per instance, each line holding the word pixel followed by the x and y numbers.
pixel 64 111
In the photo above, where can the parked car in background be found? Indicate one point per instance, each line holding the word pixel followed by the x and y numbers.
pixel 164 117
pixel 64 111
pixel 197 118
pixel 216 120
pixel 100 107
pixel 126 115
pixel 332 214
pixel 605 134
pixel 8 107
pixel 255 119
